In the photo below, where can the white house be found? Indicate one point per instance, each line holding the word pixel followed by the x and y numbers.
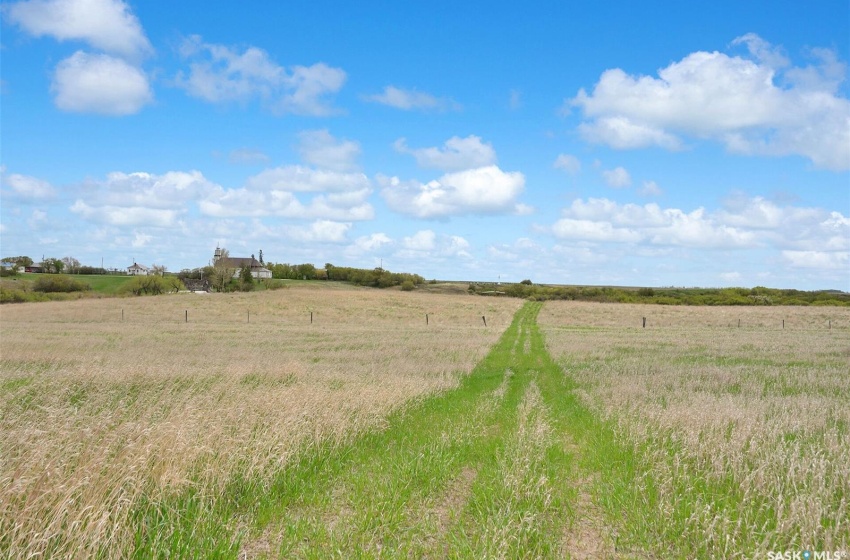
pixel 138 270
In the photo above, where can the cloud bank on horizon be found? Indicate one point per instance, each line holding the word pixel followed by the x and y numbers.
pixel 133 132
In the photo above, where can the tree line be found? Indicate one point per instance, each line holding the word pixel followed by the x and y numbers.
pixel 50 265
pixel 375 277
pixel 664 296
pixel 53 265
pixel 223 278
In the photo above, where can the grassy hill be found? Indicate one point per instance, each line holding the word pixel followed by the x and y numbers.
pixel 19 288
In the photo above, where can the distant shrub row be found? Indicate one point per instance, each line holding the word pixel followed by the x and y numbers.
pixel 21 295
pixel 377 277
pixel 55 283
pixel 45 288
pixel 665 296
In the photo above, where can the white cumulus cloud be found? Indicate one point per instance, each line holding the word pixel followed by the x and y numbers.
pixel 298 178
pixel 427 245
pixel 744 223
pixel 142 199
pixel 757 104
pixel 220 74
pixel 245 202
pixel 624 134
pixel 320 231
pixel 26 187
pixel 822 260
pixel 605 220
pixel 172 189
pixel 483 190
pixel 320 148
pixel 108 25
pixel 424 240
pixel 455 154
pixel 100 83
pixel 295 192
pixel 370 243
pixel 126 215
pixel 568 228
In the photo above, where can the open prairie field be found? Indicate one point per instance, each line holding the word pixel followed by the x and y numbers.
pixel 108 404
pixel 736 439
pixel 559 430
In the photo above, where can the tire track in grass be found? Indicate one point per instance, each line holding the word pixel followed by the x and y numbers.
pixel 488 470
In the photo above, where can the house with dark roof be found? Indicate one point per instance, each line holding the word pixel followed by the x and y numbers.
pixel 237 263
pixel 138 270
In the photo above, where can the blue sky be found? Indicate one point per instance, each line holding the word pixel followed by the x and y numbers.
pixel 622 143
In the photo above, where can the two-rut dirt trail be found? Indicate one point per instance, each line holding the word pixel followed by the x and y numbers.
pixel 491 469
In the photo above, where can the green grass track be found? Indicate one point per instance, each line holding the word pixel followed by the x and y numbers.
pixel 501 467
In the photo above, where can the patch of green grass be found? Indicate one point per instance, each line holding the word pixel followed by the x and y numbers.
pixel 257 380
pixel 77 394
pixel 14 383
pixel 20 288
pixel 105 284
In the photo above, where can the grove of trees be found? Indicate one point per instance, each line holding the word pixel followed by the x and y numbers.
pixel 664 296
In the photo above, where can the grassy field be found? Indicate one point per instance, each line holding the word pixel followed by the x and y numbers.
pixel 249 431
pixel 740 435
pixel 20 288
pixel 102 415
pixel 104 284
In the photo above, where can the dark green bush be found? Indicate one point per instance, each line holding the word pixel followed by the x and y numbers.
pixel 152 285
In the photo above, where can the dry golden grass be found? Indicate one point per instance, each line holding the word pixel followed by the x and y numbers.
pixel 97 412
pixel 759 415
